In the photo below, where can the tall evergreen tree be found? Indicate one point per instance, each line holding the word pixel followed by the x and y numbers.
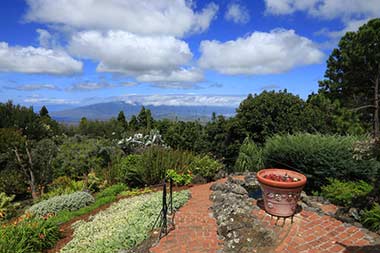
pixel 44 112
pixel 353 72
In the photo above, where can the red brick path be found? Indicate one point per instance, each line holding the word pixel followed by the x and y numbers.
pixel 313 233
pixel 196 231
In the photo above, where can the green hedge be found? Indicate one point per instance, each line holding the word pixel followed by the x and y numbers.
pixel 70 202
pixel 318 157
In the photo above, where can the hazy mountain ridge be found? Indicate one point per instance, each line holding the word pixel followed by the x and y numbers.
pixel 105 111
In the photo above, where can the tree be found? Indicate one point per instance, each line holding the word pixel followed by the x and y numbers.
pixel 142 118
pixel 321 115
pixel 264 115
pixel 44 112
pixel 122 120
pixel 133 123
pixel 353 73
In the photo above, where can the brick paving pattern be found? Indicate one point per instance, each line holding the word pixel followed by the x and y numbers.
pixel 196 231
pixel 195 228
pixel 314 233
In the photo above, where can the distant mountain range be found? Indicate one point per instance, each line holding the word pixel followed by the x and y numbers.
pixel 105 111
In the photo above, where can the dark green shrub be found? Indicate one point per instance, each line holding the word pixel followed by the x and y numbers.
pixel 318 157
pixel 206 167
pixel 113 190
pixel 371 217
pixel 71 202
pixel 29 235
pixel 250 157
pixel 344 193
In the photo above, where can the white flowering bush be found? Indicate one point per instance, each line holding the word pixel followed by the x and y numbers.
pixel 139 141
pixel 123 225
pixel 71 202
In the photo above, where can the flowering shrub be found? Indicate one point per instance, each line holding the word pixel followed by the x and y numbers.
pixel 69 202
pixel 139 141
pixel 123 225
pixel 27 235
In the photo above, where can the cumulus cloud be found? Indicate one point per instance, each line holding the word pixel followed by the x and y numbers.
pixel 237 13
pixel 124 52
pixel 90 86
pixel 260 53
pixel 147 58
pixel 327 9
pixel 34 87
pixel 159 17
pixel 32 60
pixel 183 100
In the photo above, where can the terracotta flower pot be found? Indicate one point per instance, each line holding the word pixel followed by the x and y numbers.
pixel 280 198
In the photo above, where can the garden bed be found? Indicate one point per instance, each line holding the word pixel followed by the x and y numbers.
pixel 107 228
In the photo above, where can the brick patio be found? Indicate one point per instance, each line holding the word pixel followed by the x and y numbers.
pixel 196 231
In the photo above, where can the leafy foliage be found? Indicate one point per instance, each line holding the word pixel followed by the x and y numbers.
pixel 69 202
pixel 371 217
pixel 112 190
pixel 150 167
pixel 345 192
pixel 318 157
pixel 184 178
pixel 205 166
pixel 250 157
pixel 29 235
pixel 63 185
pixel 353 68
pixel 269 113
pixel 122 226
pixel 7 208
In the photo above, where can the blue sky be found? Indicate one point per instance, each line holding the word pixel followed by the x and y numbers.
pixel 67 53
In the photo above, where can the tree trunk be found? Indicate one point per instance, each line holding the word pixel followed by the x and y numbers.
pixel 376 116
pixel 28 172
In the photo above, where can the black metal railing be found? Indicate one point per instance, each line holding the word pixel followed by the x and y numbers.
pixel 163 215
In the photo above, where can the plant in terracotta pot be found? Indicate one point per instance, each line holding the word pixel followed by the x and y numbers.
pixel 281 190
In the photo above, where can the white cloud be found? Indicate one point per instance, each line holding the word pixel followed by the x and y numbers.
pixel 32 60
pixel 327 9
pixel 158 17
pixel 147 58
pixel 34 87
pixel 183 100
pixel 175 78
pixel 127 53
pixel 90 86
pixel 349 26
pixel 52 101
pixel 44 38
pixel 260 53
pixel 237 13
